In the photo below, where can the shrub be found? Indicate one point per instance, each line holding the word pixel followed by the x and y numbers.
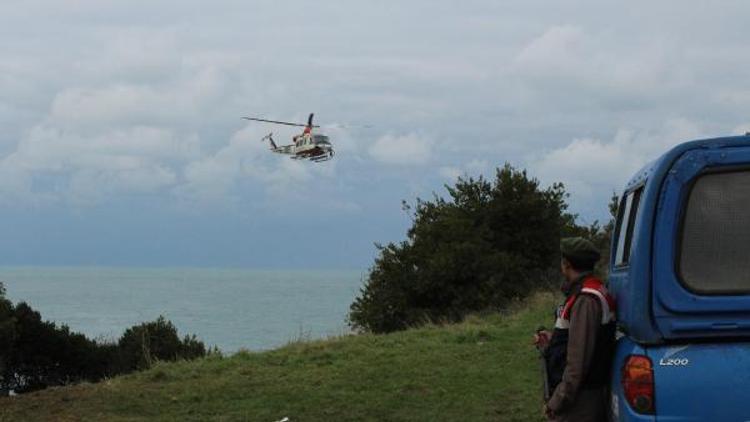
pixel 7 335
pixel 36 354
pixel 43 354
pixel 142 345
pixel 488 243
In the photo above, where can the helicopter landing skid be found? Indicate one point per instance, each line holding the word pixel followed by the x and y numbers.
pixel 321 158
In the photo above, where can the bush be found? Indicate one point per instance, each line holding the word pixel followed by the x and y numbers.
pixel 36 354
pixel 489 243
pixel 142 345
pixel 43 354
pixel 7 335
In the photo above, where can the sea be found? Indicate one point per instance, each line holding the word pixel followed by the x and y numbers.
pixel 233 309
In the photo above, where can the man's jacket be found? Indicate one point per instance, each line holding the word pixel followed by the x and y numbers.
pixel 580 350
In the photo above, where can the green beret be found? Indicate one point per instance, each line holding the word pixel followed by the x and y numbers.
pixel 579 249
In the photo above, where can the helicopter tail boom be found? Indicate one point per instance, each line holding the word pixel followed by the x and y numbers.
pixel 270 140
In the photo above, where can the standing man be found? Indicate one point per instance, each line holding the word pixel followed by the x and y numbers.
pixel 579 351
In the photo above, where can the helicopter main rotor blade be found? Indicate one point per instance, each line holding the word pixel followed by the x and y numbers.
pixel 276 122
pixel 347 126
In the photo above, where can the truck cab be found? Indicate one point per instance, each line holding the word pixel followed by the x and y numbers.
pixel 680 274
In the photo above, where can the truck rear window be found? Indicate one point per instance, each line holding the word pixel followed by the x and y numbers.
pixel 715 249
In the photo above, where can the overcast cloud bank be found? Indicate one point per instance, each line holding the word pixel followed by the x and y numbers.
pixel 116 105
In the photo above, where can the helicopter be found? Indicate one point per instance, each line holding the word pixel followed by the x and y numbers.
pixel 305 146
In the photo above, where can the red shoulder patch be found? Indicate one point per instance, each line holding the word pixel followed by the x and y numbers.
pixel 591 283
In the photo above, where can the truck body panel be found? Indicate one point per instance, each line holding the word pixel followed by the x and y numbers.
pixel 680 274
pixel 702 381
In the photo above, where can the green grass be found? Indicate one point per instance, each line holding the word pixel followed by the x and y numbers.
pixel 483 369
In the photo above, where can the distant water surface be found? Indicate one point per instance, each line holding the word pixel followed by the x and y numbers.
pixel 229 308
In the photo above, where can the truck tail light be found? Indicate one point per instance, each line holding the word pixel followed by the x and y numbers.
pixel 638 384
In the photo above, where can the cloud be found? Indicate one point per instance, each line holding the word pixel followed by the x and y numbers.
pixel 477 166
pixel 50 164
pixel 585 68
pixel 135 105
pixel 450 172
pixel 402 150
pixel 592 169
pixel 245 160
pixel 473 168
pixel 557 48
pixel 190 94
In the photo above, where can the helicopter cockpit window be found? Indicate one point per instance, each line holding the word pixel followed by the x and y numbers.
pixel 321 139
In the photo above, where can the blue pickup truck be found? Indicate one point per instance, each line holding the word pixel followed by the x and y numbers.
pixel 680 273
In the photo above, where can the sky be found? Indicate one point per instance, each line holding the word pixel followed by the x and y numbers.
pixel 123 143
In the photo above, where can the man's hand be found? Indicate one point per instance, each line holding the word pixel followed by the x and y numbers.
pixel 541 339
pixel 548 413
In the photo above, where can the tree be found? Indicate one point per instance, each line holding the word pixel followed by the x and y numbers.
pixel 142 345
pixel 35 354
pixel 43 354
pixel 7 336
pixel 487 244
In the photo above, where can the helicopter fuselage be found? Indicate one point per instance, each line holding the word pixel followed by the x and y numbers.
pixel 308 146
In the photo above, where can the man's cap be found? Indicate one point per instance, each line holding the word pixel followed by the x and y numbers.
pixel 579 249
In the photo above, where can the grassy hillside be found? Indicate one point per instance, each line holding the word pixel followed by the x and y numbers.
pixel 484 369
